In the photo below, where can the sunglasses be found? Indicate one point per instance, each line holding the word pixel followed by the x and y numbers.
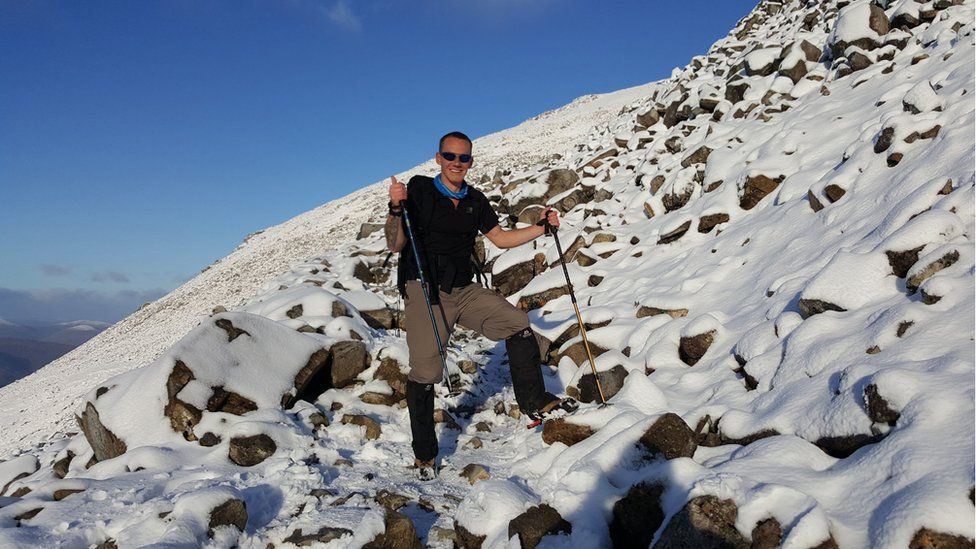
pixel 464 158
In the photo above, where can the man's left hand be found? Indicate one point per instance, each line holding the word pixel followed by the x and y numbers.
pixel 550 215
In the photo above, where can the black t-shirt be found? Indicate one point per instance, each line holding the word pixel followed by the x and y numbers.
pixel 445 232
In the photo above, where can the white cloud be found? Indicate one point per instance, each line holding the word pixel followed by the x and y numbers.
pixel 110 276
pixel 59 305
pixel 341 14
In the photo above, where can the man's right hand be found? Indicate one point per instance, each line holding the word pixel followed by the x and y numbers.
pixel 398 191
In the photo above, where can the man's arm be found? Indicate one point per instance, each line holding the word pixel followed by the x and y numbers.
pixel 511 238
pixel 396 239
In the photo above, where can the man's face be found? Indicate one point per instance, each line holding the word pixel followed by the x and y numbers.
pixel 453 171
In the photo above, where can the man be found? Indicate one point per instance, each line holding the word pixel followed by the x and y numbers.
pixel 446 214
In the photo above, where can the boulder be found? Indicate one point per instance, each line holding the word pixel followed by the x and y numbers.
pixel 384 318
pixel 324 535
pixel 648 117
pixel 561 430
pixel 637 515
pixel 467 540
pixel 669 436
pixel 705 522
pixel 767 534
pixel 61 466
pixel 921 275
pixel 700 156
pixel 232 512
pixel 309 382
pixel 645 311
pixel 878 409
pixel 400 533
pixel 103 442
pixel 692 348
pixel 674 234
pixel 810 307
pixel 535 523
pixel 537 301
pixel 373 430
pixel 249 451
pixel 611 380
pixel 902 261
pixel 15 469
pixel 367 229
pixel 925 538
pixel 348 360
pixel 517 276
pixel 756 188
pixel 708 222
pixel 834 192
pixel 390 372
pixel 862 25
pixel 844 446
pixel 475 472
pixel 577 351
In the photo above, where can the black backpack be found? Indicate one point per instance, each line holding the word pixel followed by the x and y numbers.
pixel 423 195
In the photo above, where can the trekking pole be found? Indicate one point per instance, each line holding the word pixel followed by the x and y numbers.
pixel 430 310
pixel 579 318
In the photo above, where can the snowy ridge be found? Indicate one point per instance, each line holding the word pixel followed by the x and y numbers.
pixel 774 250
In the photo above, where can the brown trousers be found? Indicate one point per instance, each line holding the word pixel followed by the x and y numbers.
pixel 473 307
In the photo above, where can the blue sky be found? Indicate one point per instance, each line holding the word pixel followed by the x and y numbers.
pixel 141 141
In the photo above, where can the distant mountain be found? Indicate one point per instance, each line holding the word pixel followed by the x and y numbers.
pixel 24 349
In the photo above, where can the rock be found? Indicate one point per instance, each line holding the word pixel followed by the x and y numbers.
pixel 27 515
pixel 209 439
pixel 756 188
pixel 878 409
pixel 611 380
pixel 815 204
pixel 669 436
pixel 652 311
pixel 539 300
pixel 876 19
pixel 700 156
pixel 902 261
pixel 834 192
pixel 903 327
pixel 482 427
pixel 930 539
pixel 400 533
pixel 735 92
pixel 339 309
pixel 475 443
pixel 390 372
pixel 648 117
pixel 676 200
pixel 466 539
pixel 708 222
pixel 58 495
pixel 704 522
pixel 367 229
pixel 309 381
pixel 249 451
pixel 767 534
pixel 843 446
pixel 294 312
pixel 232 331
pixel 218 309
pixel 692 349
pixel 517 276
pixel 371 397
pixel 535 523
pixel 674 234
pixel 232 512
pixel 894 159
pixel 349 359
pixel 379 318
pixel 475 472
pixel 637 516
pixel 924 274
pixel 810 307
pixel 61 466
pixel 859 61
pixel 363 273
pixel 324 535
pixel 231 403
pixel 560 430
pixel 883 142
pixel 102 441
pixel 373 430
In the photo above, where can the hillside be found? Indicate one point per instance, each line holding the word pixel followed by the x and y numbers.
pixel 774 252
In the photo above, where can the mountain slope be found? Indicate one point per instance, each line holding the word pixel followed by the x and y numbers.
pixel 774 252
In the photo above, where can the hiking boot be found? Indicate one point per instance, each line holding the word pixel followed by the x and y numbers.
pixel 426 470
pixel 556 408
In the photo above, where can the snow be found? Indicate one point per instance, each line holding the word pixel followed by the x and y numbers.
pixel 744 280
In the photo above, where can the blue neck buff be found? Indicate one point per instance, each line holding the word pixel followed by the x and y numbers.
pixel 448 192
